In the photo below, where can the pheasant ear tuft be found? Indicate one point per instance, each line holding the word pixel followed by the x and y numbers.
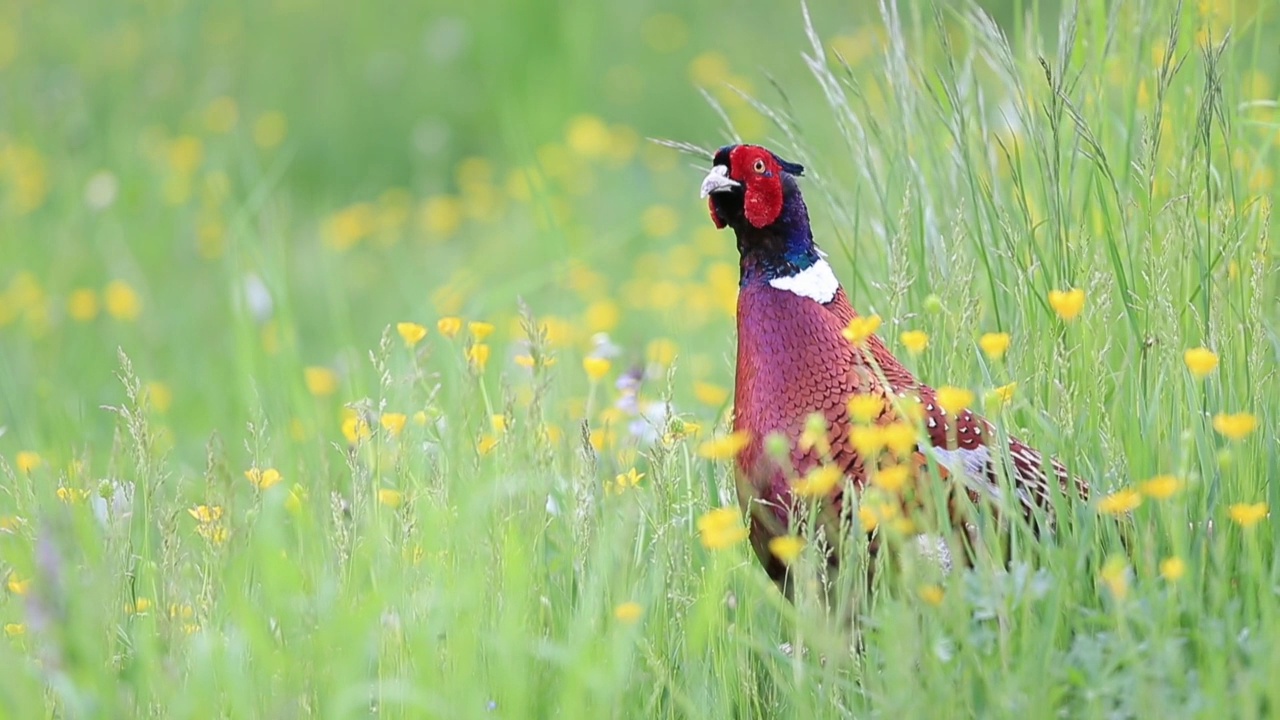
pixel 795 169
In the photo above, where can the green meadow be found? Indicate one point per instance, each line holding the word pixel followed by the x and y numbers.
pixel 369 359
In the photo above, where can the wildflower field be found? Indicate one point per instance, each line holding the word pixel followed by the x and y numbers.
pixel 367 359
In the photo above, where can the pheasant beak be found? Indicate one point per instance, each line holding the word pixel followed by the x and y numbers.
pixel 718 180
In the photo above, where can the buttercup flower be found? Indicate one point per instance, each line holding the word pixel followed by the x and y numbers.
pixel 1235 426
pixel 1120 502
pixel 1246 515
pixel 786 548
pixel 994 345
pixel 1200 361
pixel 915 341
pixel 629 612
pixel 1067 303
pixel 721 528
pixel 861 328
pixel 411 332
pixel 953 400
pixel 725 447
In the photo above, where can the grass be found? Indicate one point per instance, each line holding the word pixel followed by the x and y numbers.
pixel 232 488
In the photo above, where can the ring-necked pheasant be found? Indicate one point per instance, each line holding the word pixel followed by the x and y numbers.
pixel 795 361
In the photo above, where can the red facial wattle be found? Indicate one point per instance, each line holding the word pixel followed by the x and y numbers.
pixel 758 170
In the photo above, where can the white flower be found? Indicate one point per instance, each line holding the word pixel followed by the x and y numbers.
pixel 113 504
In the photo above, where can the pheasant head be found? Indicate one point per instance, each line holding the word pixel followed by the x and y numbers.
pixel 753 191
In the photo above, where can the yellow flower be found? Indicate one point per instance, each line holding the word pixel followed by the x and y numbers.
pixel 14 629
pixel 82 305
pixel 11 523
pixel 321 381
pixel 420 418
pixel 550 435
pixel 899 437
pixel 603 438
pixel 588 136
pixel 441 216
pixel 355 429
pixel 867 519
pixel 628 612
pixel 449 326
pixel 932 594
pixel 953 400
pixel 861 328
pixel 602 316
pixel 350 225
pixel 721 528
pixel 480 330
pixel 818 482
pixel 867 440
pixel 393 422
pixel 1161 487
pixel 903 526
pixel 621 482
pixel 1200 361
pixel 390 498
pixel 815 434
pixel 596 367
pixel 71 495
pixel 725 447
pixel 221 115
pixel 27 461
pixel 122 301
pixel 1120 502
pixel 486 444
pixel 206 514
pixel 1067 303
pixel 478 356
pixel 411 332
pixel 915 341
pixel 157 396
pixel 524 361
pixel 263 479
pixel 1115 575
pixel 709 394
pixel 994 345
pixel 1235 426
pixel 709 69
pixel 1172 568
pixel 185 154
pixel 215 533
pixel 1246 515
pixel 661 351
pixel 1000 397
pixel 138 607
pixel 679 429
pixel 293 503
pixel 269 129
pixel 865 408
pixel 891 479
pixel 786 548
pixel 17 585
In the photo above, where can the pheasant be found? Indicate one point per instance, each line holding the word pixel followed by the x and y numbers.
pixel 796 363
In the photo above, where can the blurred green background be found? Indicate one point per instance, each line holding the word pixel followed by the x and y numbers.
pixel 246 198
pixel 368 162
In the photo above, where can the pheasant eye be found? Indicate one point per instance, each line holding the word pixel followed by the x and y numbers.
pixel 759 167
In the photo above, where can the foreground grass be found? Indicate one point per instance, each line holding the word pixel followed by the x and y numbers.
pixel 277 499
